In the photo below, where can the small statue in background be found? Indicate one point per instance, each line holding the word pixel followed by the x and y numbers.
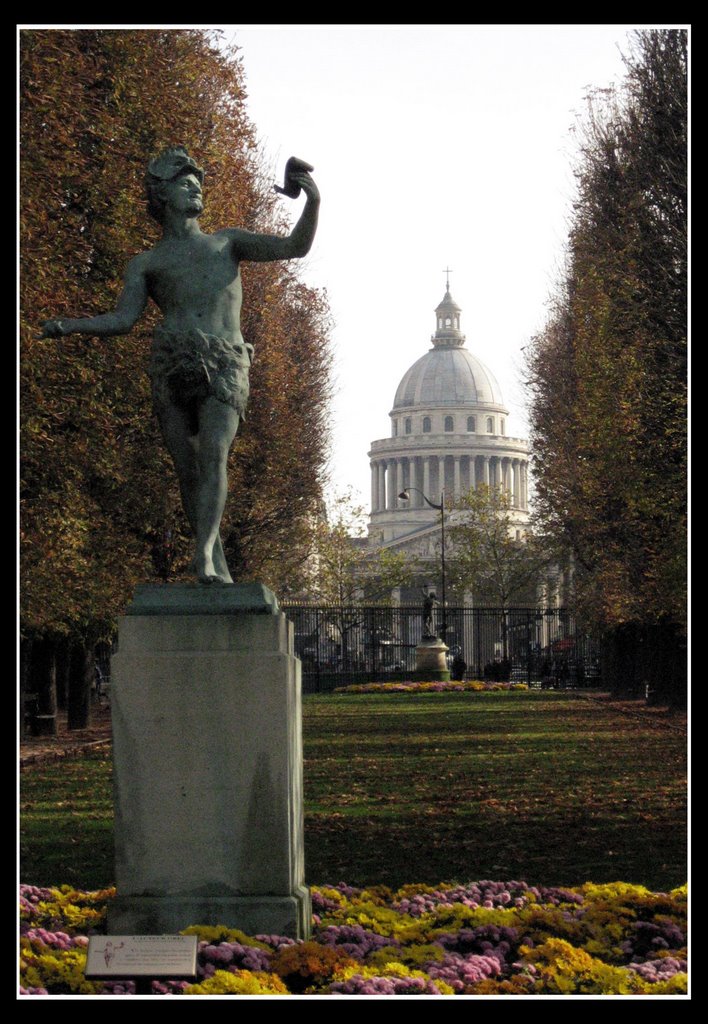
pixel 430 602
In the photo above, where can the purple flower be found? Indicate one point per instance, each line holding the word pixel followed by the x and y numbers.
pixel 221 954
pixel 459 971
pixel 473 895
pixel 57 940
pixel 233 956
pixel 647 936
pixel 486 940
pixel 278 941
pixel 555 895
pixel 354 940
pixel 359 985
pixel 118 988
pixel 659 970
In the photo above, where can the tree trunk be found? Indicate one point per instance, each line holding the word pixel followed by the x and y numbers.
pixel 81 676
pixel 646 660
pixel 667 671
pixel 622 660
pixel 63 661
pixel 28 697
pixel 43 683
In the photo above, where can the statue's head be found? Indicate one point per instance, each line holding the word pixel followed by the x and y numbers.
pixel 170 165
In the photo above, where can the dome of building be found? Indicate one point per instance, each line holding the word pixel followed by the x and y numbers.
pixel 448 376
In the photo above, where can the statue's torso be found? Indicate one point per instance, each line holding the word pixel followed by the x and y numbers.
pixel 196 283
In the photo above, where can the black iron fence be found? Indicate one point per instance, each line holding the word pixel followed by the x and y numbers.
pixel 543 647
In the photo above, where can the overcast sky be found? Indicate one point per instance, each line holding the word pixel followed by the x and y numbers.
pixel 433 146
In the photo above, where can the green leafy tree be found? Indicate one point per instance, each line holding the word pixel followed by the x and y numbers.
pixel 346 570
pixel 487 558
pixel 607 376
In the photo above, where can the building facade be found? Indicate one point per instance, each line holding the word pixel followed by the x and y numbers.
pixel 448 436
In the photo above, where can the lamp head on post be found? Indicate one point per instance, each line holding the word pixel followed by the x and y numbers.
pixel 405 496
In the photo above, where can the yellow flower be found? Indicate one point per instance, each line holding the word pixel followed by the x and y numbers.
pixel 252 983
pixel 57 971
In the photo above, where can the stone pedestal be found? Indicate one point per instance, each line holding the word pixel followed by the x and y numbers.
pixel 207 744
pixel 431 661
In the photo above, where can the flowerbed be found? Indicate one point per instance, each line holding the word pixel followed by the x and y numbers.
pixel 472 686
pixel 479 938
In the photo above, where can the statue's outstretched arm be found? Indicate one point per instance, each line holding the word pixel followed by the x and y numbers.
pixel 129 308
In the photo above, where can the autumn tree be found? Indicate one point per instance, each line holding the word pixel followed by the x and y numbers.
pixel 489 556
pixel 345 569
pixel 99 502
pixel 346 573
pixel 608 373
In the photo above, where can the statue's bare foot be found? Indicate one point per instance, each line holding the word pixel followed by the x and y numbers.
pixel 220 565
pixel 214 578
pixel 204 568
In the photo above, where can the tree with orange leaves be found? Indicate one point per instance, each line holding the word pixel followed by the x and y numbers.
pixel 99 502
pixel 608 375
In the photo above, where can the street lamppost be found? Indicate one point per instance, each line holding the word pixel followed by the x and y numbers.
pixel 441 509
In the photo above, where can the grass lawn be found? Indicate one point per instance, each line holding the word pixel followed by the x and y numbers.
pixel 545 787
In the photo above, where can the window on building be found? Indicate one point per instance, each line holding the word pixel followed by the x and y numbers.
pixel 490 425
pixel 449 424
pixel 408 426
pixel 471 424
pixel 448 321
pixel 426 424
pixel 394 426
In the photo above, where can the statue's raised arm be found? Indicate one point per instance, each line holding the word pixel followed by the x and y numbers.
pixel 263 248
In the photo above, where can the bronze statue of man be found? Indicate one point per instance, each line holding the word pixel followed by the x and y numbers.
pixel 199 361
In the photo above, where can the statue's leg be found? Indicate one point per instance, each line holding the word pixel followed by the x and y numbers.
pixel 218 424
pixel 182 446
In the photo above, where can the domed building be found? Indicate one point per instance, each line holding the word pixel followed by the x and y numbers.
pixel 448 435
